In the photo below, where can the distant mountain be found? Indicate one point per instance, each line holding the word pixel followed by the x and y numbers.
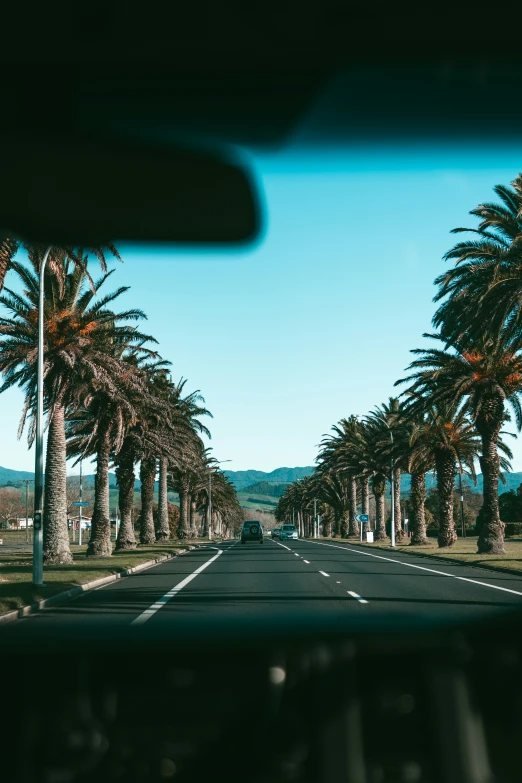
pixel 258 482
pixel 243 478
pixel 265 488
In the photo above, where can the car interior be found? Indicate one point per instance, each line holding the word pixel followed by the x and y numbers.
pixel 133 123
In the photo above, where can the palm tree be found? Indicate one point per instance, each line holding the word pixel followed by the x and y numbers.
pixel 346 431
pixel 77 352
pixel 442 439
pixel 483 378
pixel 58 257
pixel 484 290
pixel 365 457
pixel 99 427
pixel 386 419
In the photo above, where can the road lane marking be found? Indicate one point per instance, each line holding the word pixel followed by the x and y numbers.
pixel 324 573
pixel 147 614
pixel 295 553
pixel 421 568
pixel 306 561
pixel 284 547
pixel 357 597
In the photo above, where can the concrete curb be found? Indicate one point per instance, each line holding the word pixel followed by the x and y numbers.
pixel 67 595
pixel 437 558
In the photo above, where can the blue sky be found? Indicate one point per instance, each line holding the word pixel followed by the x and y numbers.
pixel 316 321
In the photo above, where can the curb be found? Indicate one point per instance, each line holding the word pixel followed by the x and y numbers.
pixel 67 595
pixel 439 558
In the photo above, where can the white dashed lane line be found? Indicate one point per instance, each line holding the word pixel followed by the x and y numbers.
pixel 306 561
pixel 357 597
pixel 324 573
pixel 420 568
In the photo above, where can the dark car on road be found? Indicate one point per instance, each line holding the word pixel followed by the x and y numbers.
pixel 252 531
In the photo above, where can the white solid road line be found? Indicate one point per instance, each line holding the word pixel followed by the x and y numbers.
pixel 421 568
pixel 324 573
pixel 147 614
pixel 357 597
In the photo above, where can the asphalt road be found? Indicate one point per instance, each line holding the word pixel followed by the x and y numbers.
pixel 234 589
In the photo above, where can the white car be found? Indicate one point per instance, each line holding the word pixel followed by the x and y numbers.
pixel 288 531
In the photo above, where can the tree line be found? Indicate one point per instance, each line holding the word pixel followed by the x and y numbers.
pixel 108 396
pixel 457 397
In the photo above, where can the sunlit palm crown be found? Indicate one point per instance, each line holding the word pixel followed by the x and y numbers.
pixel 484 289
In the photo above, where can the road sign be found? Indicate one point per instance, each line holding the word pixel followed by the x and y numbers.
pixel 77 503
pixel 362 518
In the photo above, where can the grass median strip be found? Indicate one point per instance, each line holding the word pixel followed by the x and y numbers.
pixel 16 589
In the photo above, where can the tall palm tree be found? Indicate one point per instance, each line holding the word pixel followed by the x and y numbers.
pixel 76 352
pixel 365 457
pixel 99 426
pixel 387 419
pixel 483 378
pixel 58 257
pixel 346 431
pixel 442 440
pixel 483 291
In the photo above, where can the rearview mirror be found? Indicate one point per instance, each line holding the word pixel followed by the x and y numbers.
pixel 86 191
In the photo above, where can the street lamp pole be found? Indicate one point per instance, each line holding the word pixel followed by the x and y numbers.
pixel 38 456
pixel 316 524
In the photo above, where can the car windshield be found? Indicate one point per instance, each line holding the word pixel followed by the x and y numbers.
pixel 370 338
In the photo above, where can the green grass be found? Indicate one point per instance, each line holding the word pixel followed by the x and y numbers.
pixel 16 589
pixel 465 550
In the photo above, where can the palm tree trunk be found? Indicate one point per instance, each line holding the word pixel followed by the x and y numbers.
pixel 445 470
pixel 491 537
pixel 354 525
pixel 163 532
pixel 335 523
pixel 344 527
pixel 397 504
pixel 56 548
pixel 365 500
pixel 183 510
pixel 147 478
pixel 417 500
pixel 379 488
pixel 193 531
pixel 100 542
pixel 125 475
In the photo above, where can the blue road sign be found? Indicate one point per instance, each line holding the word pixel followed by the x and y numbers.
pixel 362 517
pixel 84 503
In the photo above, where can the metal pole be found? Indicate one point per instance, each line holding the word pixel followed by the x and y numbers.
pixel 38 453
pixel 461 503
pixel 80 514
pixel 392 494
pixel 209 511
pixel 27 512
pixel 316 526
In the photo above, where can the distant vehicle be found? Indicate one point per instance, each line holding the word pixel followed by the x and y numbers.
pixel 276 532
pixel 288 531
pixel 252 531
